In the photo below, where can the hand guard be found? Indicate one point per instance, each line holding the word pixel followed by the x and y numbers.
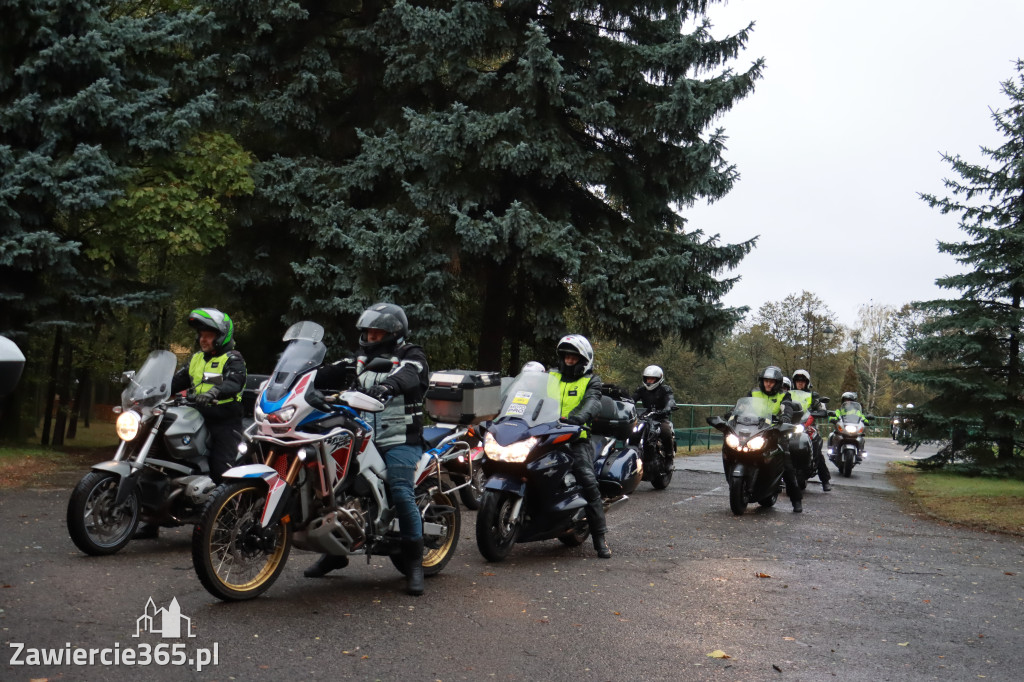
pixel 575 420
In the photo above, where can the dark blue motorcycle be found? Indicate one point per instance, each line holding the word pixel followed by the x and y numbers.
pixel 530 493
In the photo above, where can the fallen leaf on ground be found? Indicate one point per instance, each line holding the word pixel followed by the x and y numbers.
pixel 904 643
pixel 789 639
pixel 763 575
pixel 718 653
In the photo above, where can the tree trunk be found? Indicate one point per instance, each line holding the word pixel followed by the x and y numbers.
pixel 65 397
pixel 76 408
pixel 51 386
pixel 494 321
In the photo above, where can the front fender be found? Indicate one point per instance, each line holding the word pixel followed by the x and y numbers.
pixel 506 483
pixel 126 485
pixel 276 487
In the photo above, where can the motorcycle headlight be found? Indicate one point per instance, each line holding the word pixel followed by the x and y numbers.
pixel 853 428
pixel 282 416
pixel 258 414
pixel 128 425
pixel 756 443
pixel 517 452
pixel 732 441
pixel 798 429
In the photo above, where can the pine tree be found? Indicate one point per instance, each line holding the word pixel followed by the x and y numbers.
pixel 976 336
pixel 492 166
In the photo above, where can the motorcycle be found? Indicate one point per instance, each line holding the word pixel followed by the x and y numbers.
pixel 806 439
pixel 160 472
pixel 646 437
pixel 752 454
pixel 530 493
pixel 846 444
pixel 323 486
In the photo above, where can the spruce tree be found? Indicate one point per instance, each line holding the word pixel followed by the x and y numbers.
pixel 974 339
pixel 502 169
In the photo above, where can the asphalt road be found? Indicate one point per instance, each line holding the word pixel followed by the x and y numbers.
pixel 855 588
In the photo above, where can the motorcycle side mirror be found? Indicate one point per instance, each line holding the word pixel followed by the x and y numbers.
pixel 823 401
pixel 786 427
pixel 818 414
pixel 126 377
pixel 715 421
pixel 378 364
pixel 214 378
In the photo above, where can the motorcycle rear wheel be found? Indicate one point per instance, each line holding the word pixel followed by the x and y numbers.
pixel 235 558
pixel 436 558
pixel 496 530
pixel 737 501
pixel 578 534
pixel 470 495
pixel 96 526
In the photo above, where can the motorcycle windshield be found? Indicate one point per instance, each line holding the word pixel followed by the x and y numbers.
pixel 851 412
pixel 751 410
pixel 533 397
pixel 299 356
pixel 151 385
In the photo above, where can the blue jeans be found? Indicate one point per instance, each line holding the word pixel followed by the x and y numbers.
pixel 401 461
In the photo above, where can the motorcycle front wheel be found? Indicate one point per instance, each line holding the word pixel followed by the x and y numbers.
pixel 234 557
pixel 496 529
pixel 661 479
pixel 97 526
pixel 737 501
pixel 441 509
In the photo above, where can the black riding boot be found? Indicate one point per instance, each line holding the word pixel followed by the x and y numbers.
pixel 412 555
pixel 601 545
pixel 324 565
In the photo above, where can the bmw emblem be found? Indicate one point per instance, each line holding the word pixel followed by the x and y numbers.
pixel 186 440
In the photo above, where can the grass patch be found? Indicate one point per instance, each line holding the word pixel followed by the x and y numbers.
pixel 29 465
pixel 994 504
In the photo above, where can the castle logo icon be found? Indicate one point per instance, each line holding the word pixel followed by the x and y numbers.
pixel 168 622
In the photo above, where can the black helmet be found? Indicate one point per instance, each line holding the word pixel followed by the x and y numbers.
pixel 213 320
pixel 653 372
pixel 770 372
pixel 387 317
pixel 802 374
pixel 574 343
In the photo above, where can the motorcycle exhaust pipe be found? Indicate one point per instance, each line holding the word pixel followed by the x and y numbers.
pixel 612 501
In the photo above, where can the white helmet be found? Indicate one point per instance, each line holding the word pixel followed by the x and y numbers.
pixel 802 374
pixel 653 372
pixel 532 366
pixel 787 384
pixel 574 343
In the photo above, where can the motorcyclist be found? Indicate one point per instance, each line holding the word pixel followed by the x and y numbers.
pixel 802 382
pixel 770 387
pixel 848 405
pixel 580 390
pixel 220 404
pixel 654 394
pixel 398 429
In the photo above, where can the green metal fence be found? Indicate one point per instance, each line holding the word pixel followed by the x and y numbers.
pixel 692 430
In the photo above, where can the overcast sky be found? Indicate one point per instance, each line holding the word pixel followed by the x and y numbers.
pixel 857 102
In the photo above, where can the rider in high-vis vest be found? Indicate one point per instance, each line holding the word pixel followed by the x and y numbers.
pixel 580 391
pixel 220 404
pixel 769 387
pixel 802 382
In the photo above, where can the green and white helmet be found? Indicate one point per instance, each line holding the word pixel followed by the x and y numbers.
pixel 213 320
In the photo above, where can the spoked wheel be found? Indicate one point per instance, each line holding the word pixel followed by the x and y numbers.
pixel 98 526
pixel 496 527
pixel 578 534
pixel 234 557
pixel 436 507
pixel 470 495
pixel 737 501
